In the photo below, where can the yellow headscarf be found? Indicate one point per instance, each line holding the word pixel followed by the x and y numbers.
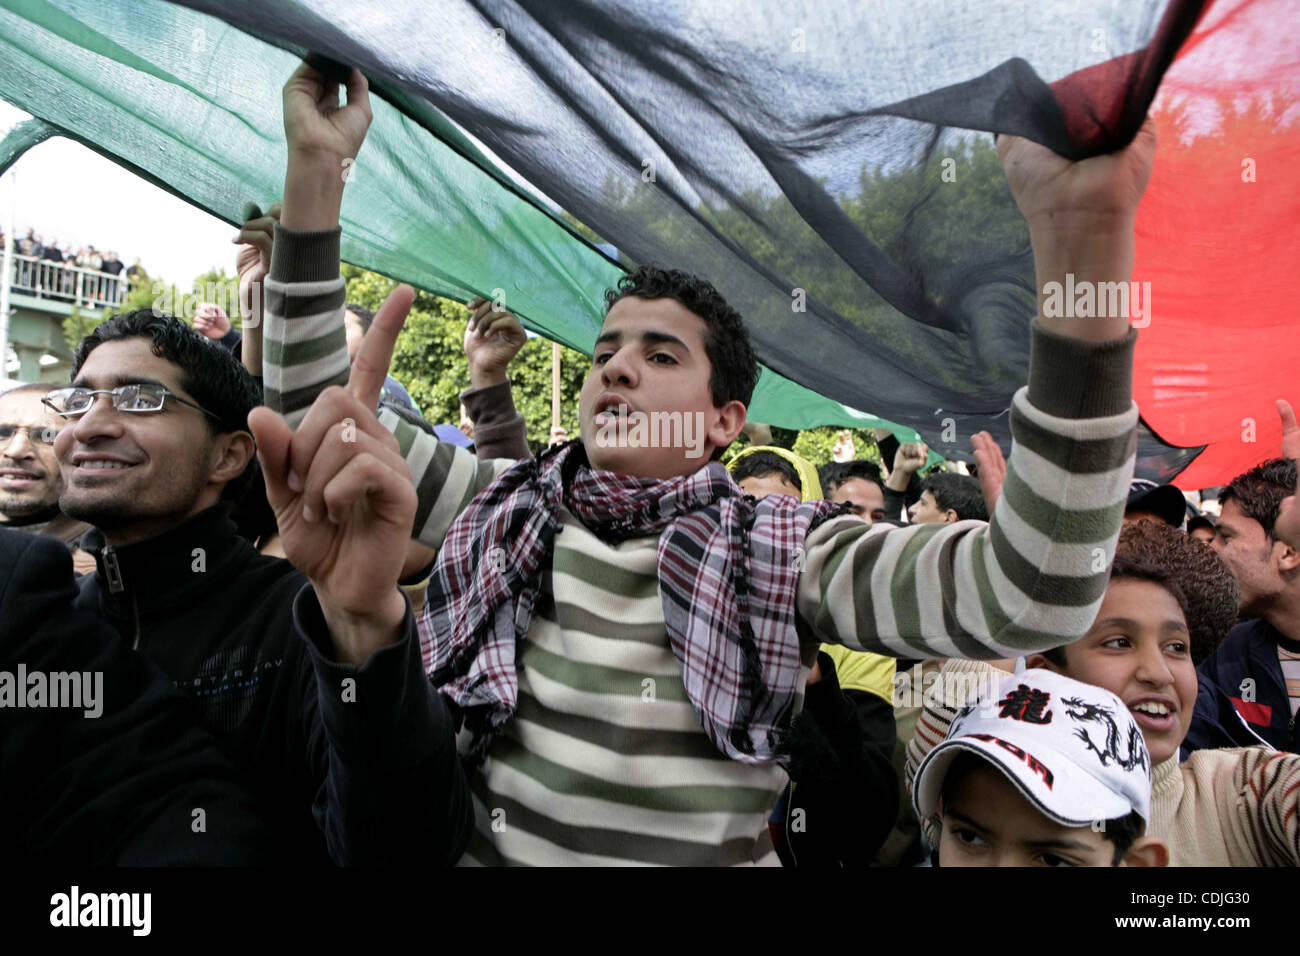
pixel 808 480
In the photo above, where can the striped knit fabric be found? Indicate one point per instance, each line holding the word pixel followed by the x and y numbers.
pixel 1220 808
pixel 605 761
pixel 1290 662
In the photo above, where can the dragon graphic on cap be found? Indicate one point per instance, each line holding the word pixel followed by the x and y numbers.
pixel 1085 712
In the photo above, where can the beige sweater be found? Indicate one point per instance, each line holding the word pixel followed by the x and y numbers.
pixel 1220 808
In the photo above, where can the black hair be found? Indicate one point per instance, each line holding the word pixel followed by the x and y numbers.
pixel 362 313
pixel 1259 492
pixel 209 373
pixel 1122 832
pixel 961 493
pixel 835 473
pixel 762 463
pixel 726 340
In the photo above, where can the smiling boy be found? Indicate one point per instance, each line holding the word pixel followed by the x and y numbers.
pixel 1226 807
pixel 628 636
pixel 1035 780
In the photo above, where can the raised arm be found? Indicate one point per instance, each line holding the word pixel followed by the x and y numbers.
pixel 253 264
pixel 493 337
pixel 305 350
pixel 1034 575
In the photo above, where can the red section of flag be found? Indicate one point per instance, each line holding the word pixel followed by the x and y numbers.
pixel 1253 711
pixel 1218 239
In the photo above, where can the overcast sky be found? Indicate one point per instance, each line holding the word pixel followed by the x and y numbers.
pixel 71 194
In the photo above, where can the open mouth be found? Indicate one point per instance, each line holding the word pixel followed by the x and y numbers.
pixel 99 467
pixel 610 408
pixel 1154 715
pixel 15 478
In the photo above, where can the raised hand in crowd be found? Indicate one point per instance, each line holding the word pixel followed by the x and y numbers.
pixel 211 320
pixel 1290 430
pixel 324 139
pixel 343 497
pixel 253 264
pixel 1287 525
pixel 1081 219
pixel 908 460
pixel 992 467
pixel 493 338
pixel 844 449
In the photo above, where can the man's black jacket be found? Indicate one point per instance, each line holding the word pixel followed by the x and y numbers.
pixel 366 755
pixel 129 777
pixel 1245 671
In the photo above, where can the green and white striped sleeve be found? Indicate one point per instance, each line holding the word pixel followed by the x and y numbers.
pixel 304 351
pixel 1033 576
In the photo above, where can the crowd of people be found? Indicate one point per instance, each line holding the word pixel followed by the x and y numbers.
pixel 353 636
pixel 61 284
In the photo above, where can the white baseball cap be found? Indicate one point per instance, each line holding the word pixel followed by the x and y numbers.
pixel 1073 750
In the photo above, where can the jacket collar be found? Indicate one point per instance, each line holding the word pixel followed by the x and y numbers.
pixel 169 569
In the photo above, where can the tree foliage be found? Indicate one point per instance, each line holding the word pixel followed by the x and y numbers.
pixel 429 360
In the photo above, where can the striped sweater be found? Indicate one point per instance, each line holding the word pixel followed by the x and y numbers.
pixel 605 761
pixel 1233 807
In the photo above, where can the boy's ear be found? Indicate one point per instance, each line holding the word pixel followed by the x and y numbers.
pixel 950 516
pixel 1146 851
pixel 731 419
pixel 1038 660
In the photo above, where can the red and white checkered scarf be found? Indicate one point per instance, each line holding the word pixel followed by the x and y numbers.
pixel 728 570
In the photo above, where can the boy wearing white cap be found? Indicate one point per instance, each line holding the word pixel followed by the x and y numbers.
pixel 1048 772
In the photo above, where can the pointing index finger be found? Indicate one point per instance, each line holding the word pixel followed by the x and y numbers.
pixel 376 353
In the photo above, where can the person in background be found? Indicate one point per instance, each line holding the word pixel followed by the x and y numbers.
pixel 357 321
pixel 1257 667
pixel 845 736
pixel 1201 527
pixel 1148 501
pixel 857 484
pixel 946 497
pixel 30 478
pixel 113 266
pixel 902 487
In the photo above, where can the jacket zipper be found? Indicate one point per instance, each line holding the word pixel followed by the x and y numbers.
pixel 116 585
pixel 112 570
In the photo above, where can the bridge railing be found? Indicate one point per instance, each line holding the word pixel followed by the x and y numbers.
pixel 61 282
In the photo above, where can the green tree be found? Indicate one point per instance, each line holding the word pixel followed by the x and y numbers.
pixel 429 359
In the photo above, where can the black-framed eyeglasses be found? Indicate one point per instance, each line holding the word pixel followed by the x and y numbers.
pixel 72 401
pixel 40 434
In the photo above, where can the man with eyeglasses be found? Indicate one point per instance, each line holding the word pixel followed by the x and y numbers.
pixel 30 482
pixel 332 734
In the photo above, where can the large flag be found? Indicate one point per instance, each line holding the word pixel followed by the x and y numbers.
pixel 828 165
